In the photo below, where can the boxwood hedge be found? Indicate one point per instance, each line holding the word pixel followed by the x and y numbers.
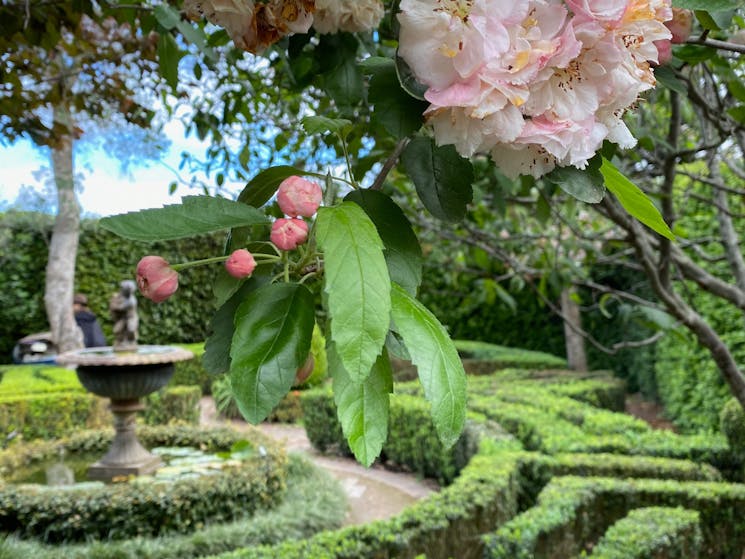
pixel 127 510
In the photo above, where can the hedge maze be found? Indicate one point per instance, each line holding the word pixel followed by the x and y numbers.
pixel 546 470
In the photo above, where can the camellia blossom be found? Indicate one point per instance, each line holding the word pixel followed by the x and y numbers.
pixel 289 233
pixel 240 264
pixel 297 196
pixel 156 279
pixel 253 26
pixel 535 83
pixel 352 16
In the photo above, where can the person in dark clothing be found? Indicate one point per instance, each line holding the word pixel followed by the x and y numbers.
pixel 92 334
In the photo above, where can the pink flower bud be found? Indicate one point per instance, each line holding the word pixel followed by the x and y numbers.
pixel 299 197
pixel 664 51
pixel 680 26
pixel 240 264
pixel 156 279
pixel 287 234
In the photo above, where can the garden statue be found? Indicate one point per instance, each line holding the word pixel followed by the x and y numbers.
pixel 123 308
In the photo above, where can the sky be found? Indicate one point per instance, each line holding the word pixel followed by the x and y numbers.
pixel 106 191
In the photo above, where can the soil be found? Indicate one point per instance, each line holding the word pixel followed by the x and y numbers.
pixel 372 493
pixel 649 411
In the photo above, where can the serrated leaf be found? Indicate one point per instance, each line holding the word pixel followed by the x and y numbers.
pixel 585 185
pixel 396 111
pixel 403 255
pixel 357 285
pixel 194 216
pixel 442 177
pixel 320 124
pixel 408 80
pixel 264 185
pixel 634 200
pixel 362 408
pixel 216 357
pixel 168 59
pixel 273 329
pixel 438 365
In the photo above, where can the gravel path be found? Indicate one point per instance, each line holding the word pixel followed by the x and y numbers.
pixel 373 493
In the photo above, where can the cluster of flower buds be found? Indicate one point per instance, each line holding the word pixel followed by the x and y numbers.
pixel 534 83
pixel 297 198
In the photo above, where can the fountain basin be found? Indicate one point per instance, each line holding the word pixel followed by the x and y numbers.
pixel 124 377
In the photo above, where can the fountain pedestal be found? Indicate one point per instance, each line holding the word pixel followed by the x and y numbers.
pixel 124 378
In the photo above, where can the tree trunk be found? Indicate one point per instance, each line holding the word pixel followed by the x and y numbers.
pixel 574 341
pixel 63 248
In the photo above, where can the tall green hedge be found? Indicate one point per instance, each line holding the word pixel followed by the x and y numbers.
pixel 103 261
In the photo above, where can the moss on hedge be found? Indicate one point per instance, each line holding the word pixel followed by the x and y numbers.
pixel 144 509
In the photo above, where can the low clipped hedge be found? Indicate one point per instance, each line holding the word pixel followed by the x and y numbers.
pixel 44 402
pixel 659 532
pixel 572 511
pixel 173 404
pixel 191 372
pixel 127 510
pixel 445 525
pixel 309 489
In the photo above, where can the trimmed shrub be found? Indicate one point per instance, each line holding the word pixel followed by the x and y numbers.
pixel 36 379
pixel 173 404
pixel 140 509
pixel 732 421
pixel 659 532
pixel 309 489
pixel 572 512
pixel 444 525
pixel 192 372
pixel 51 414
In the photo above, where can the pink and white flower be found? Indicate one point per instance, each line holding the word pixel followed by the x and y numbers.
pixel 536 83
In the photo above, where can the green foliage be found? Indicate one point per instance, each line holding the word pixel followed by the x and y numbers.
pixel 142 509
pixel 274 326
pixel 308 489
pixel 357 284
pixel 192 372
pixel 732 421
pixel 103 261
pixel 196 215
pixel 661 532
pixel 173 404
pixel 573 510
pixel 500 357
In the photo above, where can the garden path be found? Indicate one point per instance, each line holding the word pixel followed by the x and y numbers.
pixel 373 493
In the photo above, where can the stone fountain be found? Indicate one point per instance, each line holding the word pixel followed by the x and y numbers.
pixel 124 373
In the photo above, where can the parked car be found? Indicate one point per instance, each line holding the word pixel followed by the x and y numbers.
pixel 35 348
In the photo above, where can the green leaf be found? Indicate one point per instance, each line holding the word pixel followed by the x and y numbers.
pixel 403 255
pixel 262 187
pixel 396 111
pixel 344 83
pixel 375 64
pixel 438 365
pixel 167 16
pixel 362 408
pixel 708 5
pixel 585 185
pixel 408 80
pixel 357 284
pixel 273 329
pixel 194 216
pixel 168 59
pixel 634 200
pixel 666 76
pixel 216 358
pixel 442 177
pixel 321 124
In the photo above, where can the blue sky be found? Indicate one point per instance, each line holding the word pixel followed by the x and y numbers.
pixel 105 189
